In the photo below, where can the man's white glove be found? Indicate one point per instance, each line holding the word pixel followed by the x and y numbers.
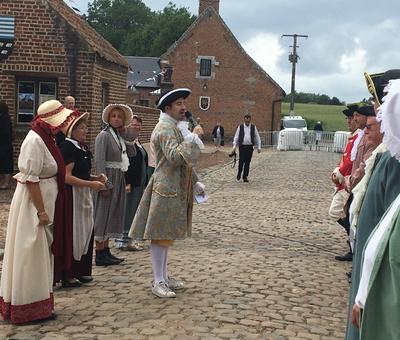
pixel 199 188
pixel 337 174
pixel 188 136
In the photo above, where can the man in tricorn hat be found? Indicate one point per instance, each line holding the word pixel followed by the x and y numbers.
pixel 361 151
pixel 377 190
pixel 339 209
pixel 165 211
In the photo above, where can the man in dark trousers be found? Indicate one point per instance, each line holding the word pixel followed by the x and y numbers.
pixel 246 138
pixel 218 135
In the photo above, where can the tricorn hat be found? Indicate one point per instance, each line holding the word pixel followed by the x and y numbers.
pixel 348 112
pixel 376 82
pixel 354 106
pixel 171 96
pixel 366 110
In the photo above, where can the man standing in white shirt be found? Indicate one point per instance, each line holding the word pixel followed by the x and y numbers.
pixel 247 139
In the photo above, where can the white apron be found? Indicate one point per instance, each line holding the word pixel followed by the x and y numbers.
pixel 82 220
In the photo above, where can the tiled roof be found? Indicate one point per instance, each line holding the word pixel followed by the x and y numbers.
pixel 97 43
pixel 205 14
pixel 143 71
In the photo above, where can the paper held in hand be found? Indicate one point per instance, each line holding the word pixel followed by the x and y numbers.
pixel 201 198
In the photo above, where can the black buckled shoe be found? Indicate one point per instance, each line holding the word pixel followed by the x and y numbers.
pixel 68 283
pixel 85 279
pixel 103 260
pixel 346 257
pixel 111 256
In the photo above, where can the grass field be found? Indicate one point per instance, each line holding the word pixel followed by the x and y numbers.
pixel 331 116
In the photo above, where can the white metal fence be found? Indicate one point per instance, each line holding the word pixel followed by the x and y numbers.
pixel 304 140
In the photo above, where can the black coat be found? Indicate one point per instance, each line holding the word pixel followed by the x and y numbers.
pixel 221 130
pixel 134 174
pixel 318 127
pixel 6 147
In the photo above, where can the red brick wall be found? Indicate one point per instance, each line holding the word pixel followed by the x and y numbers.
pixel 142 94
pixel 47 47
pixel 239 86
pixel 111 75
pixel 203 4
pixel 149 117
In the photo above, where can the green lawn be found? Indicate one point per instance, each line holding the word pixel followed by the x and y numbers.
pixel 331 116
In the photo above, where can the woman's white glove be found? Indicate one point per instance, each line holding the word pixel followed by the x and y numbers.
pixel 199 188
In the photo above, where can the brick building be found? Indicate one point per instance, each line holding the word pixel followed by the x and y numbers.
pixel 56 53
pixel 226 82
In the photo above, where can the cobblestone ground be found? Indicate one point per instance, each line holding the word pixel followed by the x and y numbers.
pixel 259 266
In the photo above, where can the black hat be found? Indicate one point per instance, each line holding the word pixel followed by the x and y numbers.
pixel 367 110
pixel 171 96
pixel 377 82
pixel 348 112
pixel 354 106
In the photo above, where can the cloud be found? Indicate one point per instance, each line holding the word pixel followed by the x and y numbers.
pixel 266 50
pixel 346 38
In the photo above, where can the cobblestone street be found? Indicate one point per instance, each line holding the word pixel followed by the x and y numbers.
pixel 260 265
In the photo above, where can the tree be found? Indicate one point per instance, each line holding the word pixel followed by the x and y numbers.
pixel 114 19
pixel 335 101
pixel 309 98
pixel 172 22
pixel 133 29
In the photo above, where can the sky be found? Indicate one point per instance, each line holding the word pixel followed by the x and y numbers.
pixel 345 39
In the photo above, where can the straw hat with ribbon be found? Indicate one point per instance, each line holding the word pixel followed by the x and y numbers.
pixel 124 108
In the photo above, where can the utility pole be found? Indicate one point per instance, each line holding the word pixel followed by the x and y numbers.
pixel 293 57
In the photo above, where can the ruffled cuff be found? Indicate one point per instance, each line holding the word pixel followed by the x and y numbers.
pixel 23 178
pixel 190 152
pixel 198 188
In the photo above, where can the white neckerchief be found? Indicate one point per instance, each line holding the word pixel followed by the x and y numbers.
pixel 167 118
pixel 73 141
pixel 124 157
pixel 354 149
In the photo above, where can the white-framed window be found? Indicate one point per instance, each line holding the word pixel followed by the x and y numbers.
pixel 30 94
pixel 206 68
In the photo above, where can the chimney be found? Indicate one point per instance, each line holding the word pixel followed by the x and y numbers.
pixel 203 4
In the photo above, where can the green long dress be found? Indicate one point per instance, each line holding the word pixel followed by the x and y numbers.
pixel 381 312
pixel 383 188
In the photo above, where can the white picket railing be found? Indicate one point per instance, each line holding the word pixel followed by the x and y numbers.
pixel 304 140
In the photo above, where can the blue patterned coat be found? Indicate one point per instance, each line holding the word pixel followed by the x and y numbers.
pixel 165 211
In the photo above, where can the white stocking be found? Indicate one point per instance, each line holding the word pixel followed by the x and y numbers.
pixel 165 264
pixel 157 261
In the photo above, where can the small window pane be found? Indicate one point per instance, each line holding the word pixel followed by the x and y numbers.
pixel 47 91
pixel 26 101
pixel 205 67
